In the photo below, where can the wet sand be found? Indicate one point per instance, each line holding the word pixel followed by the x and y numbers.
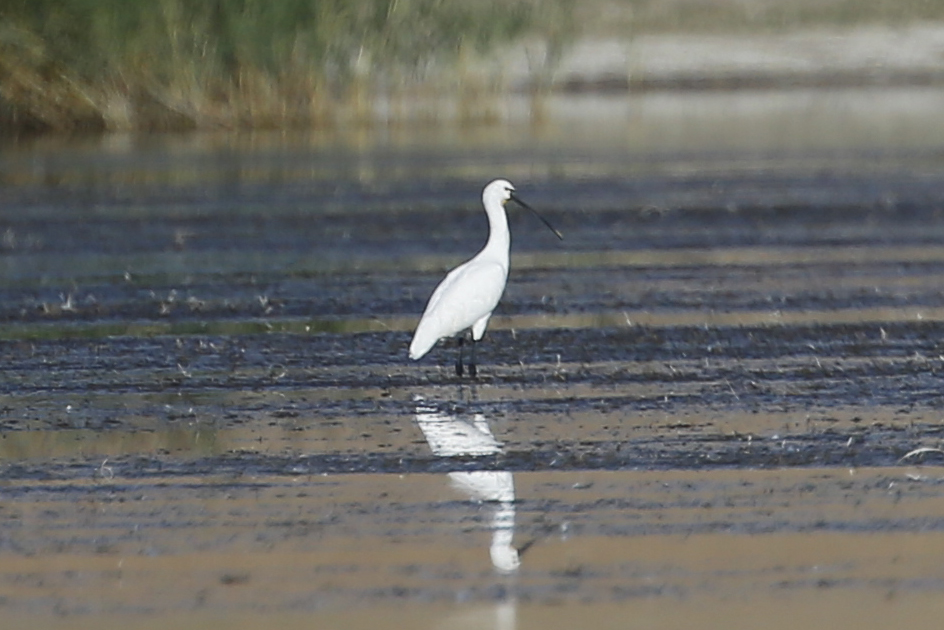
pixel 707 406
pixel 853 547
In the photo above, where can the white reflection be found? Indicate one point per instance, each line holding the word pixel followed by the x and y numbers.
pixel 501 616
pixel 497 487
pixel 451 436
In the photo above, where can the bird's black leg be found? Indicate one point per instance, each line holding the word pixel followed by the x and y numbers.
pixel 472 359
pixel 459 342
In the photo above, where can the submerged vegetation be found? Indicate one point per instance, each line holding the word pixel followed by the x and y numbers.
pixel 192 63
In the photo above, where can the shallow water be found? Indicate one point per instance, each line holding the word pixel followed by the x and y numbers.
pixel 707 405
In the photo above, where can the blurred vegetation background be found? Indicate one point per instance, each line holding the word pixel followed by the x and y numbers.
pixel 190 63
pixel 183 64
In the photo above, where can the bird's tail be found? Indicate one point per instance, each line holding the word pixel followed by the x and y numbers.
pixel 422 342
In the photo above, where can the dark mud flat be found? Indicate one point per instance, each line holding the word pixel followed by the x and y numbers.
pixel 716 403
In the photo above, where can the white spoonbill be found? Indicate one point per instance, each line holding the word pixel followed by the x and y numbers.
pixel 469 293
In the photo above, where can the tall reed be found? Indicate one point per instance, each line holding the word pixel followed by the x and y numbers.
pixel 203 63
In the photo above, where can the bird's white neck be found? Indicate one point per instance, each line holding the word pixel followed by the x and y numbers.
pixel 499 238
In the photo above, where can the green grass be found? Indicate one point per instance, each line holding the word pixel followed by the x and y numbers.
pixel 199 63
pixel 179 64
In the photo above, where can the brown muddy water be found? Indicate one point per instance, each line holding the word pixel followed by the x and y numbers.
pixel 715 404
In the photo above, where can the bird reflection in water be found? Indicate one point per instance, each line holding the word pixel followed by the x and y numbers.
pixel 452 436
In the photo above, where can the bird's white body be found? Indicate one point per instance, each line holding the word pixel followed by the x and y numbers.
pixel 469 293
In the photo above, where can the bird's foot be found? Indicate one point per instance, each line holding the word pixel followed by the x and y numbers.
pixel 472 370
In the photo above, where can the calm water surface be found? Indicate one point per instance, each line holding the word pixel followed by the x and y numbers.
pixel 714 403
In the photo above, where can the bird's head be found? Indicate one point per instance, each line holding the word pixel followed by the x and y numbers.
pixel 500 190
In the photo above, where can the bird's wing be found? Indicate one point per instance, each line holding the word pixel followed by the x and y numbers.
pixel 470 289
pixel 465 295
pixel 470 294
pixel 443 287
